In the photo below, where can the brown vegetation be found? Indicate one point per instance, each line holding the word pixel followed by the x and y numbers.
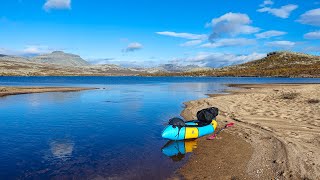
pixel 290 95
pixel 313 101
pixel 276 64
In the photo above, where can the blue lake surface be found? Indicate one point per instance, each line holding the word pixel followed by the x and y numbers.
pixel 110 132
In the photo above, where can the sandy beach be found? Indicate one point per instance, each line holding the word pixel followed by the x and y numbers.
pixel 7 91
pixel 276 134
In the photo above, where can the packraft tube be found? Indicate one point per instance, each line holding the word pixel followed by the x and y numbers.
pixel 174 148
pixel 190 131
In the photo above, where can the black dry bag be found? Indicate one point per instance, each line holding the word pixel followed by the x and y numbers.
pixel 205 116
pixel 177 122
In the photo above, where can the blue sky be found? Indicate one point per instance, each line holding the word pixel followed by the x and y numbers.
pixel 146 33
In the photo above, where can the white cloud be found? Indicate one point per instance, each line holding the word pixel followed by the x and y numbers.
pixel 312 35
pixel 231 24
pixel 195 38
pixel 266 3
pixel 61 149
pixel 311 17
pixel 4 51
pixel 269 34
pixel 281 44
pixel 192 43
pixel 57 4
pixel 282 12
pixel 102 61
pixel 229 42
pixel 35 49
pixel 29 50
pixel 183 35
pixel 133 47
pixel 311 49
pixel 218 59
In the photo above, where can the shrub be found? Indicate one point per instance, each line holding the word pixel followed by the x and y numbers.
pixel 313 101
pixel 3 90
pixel 290 95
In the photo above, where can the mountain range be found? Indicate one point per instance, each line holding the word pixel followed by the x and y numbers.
pixel 61 63
pixel 275 64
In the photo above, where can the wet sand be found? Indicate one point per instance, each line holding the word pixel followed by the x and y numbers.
pixel 276 134
pixel 7 91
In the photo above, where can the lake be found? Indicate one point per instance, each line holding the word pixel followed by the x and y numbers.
pixel 110 132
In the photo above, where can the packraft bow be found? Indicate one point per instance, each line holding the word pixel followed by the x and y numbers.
pixel 180 130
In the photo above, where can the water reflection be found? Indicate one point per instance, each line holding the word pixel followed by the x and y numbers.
pixel 62 149
pixel 177 150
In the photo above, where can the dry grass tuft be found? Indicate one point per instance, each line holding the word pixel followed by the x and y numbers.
pixel 3 90
pixel 290 95
pixel 313 101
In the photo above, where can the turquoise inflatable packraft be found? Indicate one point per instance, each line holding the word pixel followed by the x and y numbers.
pixel 191 132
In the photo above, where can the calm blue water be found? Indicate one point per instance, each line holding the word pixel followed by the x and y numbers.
pixel 111 132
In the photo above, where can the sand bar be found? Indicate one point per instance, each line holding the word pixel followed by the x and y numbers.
pixel 6 91
pixel 276 136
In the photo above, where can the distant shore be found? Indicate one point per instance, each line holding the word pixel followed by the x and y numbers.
pixel 276 134
pixel 7 91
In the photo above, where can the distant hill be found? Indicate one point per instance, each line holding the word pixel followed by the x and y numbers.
pixel 174 68
pixel 283 64
pixel 60 58
pixel 276 64
pixel 19 68
pixel 177 68
pixel 4 57
pixel 59 63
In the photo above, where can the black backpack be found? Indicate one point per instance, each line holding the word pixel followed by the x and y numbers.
pixel 205 116
pixel 177 122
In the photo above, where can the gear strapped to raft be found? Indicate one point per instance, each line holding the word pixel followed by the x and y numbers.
pixel 177 122
pixel 205 117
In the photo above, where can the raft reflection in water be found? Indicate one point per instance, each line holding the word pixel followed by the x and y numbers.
pixel 176 150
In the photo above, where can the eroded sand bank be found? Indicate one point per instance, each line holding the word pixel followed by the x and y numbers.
pixel 276 136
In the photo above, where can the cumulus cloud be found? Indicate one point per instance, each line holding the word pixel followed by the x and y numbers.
pixel 281 44
pixel 266 3
pixel 311 17
pixel 35 50
pixel 312 35
pixel 269 34
pixel 282 12
pixel 195 38
pixel 30 50
pixel 229 42
pixel 218 59
pixel 124 63
pixel 57 4
pixel 231 24
pixel 133 47
pixel 102 61
pixel 311 49
pixel 183 35
pixel 6 51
